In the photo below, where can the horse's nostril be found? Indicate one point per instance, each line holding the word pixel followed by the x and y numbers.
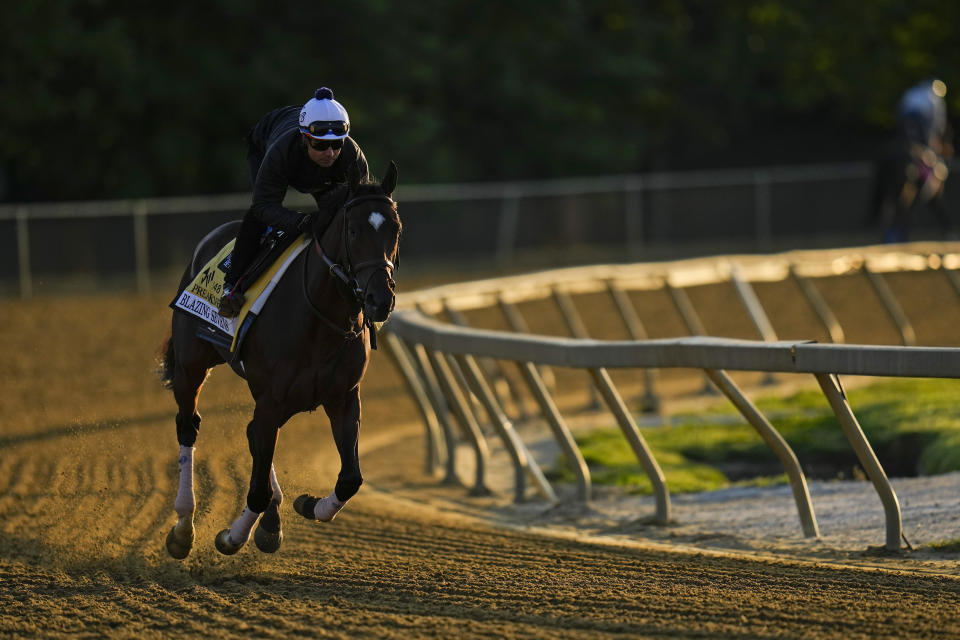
pixel 378 310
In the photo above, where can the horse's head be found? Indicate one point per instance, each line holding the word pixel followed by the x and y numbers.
pixel 370 241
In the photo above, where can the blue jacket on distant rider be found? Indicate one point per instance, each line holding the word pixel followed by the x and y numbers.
pixel 306 148
pixel 922 114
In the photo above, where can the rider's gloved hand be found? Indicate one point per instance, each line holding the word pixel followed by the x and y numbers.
pixel 289 221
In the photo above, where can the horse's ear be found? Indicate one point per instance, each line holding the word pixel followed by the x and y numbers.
pixel 353 177
pixel 390 180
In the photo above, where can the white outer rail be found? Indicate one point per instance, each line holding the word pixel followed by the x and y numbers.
pixel 826 361
pixel 697 352
pixel 918 256
pixel 711 354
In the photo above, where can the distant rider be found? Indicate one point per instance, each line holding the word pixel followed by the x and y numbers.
pixel 913 171
pixel 922 115
pixel 306 148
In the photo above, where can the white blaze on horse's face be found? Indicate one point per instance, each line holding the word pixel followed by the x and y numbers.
pixel 376 219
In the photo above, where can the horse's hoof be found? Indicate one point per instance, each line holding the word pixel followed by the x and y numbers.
pixel 179 546
pixel 304 506
pixel 269 533
pixel 224 545
pixel 266 541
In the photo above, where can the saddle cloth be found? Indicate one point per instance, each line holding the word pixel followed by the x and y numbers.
pixel 202 296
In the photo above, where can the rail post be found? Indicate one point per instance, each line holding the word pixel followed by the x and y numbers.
pixel 408 371
pixel 440 409
pixel 633 214
pixel 519 324
pixel 691 319
pixel 644 455
pixel 820 306
pixel 894 310
pixel 755 310
pixel 650 401
pixel 507 228
pixel 140 246
pixel 577 330
pixel 465 417
pixel 830 385
pixel 798 482
pixel 763 209
pixel 522 460
pixel 560 431
pixel 23 253
pixel 951 274
pixel 493 370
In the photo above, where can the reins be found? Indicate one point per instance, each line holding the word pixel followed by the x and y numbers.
pixel 348 334
pixel 350 283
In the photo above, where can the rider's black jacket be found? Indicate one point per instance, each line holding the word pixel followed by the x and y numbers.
pixel 278 159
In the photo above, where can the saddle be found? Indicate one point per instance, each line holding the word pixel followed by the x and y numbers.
pixel 272 244
pixel 201 296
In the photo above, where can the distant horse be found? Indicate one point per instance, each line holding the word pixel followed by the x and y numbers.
pixel 309 346
pixel 909 177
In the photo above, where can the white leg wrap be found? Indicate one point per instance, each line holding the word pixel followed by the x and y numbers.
pixel 277 493
pixel 185 502
pixel 242 526
pixel 327 508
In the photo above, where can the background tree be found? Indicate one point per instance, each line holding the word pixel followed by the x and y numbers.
pixel 103 98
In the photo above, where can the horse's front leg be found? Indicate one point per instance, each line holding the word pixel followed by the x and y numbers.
pixel 264 493
pixel 345 422
pixel 269 533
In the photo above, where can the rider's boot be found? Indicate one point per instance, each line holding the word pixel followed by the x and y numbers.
pixel 244 250
pixel 231 302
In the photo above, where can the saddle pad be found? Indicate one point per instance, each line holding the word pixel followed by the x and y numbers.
pixel 202 296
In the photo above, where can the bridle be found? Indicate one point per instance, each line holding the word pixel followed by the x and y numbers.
pixel 355 269
pixel 348 277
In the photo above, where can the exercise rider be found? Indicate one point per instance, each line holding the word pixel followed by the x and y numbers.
pixel 306 148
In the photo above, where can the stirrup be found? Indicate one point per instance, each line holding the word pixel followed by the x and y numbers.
pixel 230 304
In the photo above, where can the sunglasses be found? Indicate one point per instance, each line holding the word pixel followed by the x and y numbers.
pixel 322 128
pixel 323 145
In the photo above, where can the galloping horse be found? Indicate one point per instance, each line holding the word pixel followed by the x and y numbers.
pixel 309 346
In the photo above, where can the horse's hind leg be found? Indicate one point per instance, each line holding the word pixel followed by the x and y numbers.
pixel 180 538
pixel 345 421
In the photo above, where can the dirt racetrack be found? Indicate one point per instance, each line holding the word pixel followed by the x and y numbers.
pixel 88 476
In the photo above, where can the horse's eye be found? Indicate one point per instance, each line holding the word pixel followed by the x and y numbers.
pixel 352 230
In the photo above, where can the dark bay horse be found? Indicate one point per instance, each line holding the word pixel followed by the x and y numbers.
pixel 309 347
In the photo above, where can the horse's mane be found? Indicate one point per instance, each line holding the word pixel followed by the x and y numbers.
pixel 368 187
pixel 330 202
pixel 372 187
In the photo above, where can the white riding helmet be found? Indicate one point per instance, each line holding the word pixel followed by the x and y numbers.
pixel 323 118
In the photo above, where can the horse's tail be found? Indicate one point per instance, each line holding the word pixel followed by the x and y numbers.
pixel 166 361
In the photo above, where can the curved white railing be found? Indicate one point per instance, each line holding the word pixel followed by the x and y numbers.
pixel 441 362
